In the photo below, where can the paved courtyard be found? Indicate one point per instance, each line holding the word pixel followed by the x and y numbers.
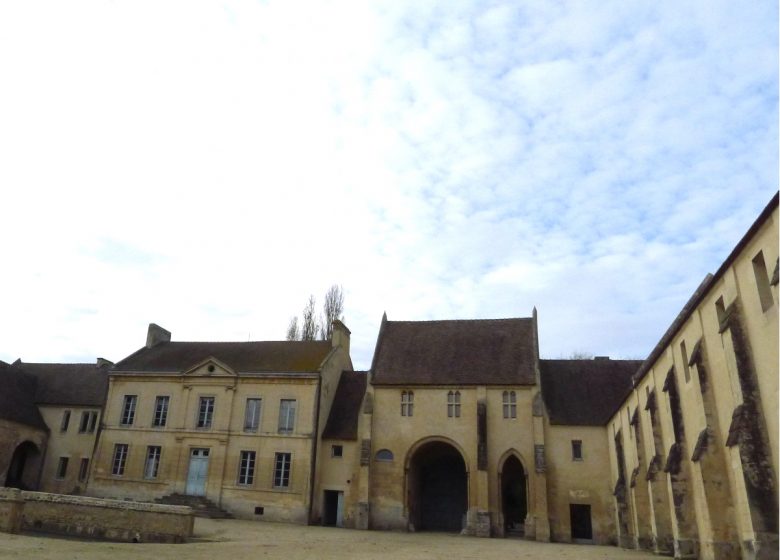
pixel 235 540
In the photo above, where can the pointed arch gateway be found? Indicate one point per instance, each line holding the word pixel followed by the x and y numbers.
pixel 24 467
pixel 436 486
pixel 514 494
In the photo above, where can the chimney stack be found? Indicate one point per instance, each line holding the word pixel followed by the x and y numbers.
pixel 156 334
pixel 340 336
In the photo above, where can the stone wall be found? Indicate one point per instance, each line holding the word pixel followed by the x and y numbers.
pixel 11 506
pixel 97 518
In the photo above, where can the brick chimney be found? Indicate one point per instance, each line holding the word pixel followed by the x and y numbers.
pixel 340 336
pixel 156 334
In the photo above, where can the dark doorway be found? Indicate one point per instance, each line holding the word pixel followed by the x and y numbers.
pixel 514 498
pixel 438 488
pixel 22 471
pixel 581 529
pixel 333 508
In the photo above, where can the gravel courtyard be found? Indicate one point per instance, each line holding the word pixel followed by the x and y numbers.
pixel 236 540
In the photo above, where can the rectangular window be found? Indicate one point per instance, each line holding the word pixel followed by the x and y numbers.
pixel 128 410
pixel 84 469
pixel 510 404
pixel 65 421
pixel 337 451
pixel 62 467
pixel 576 450
pixel 252 415
pixel 686 369
pixel 762 281
pixel 152 464
pixel 287 416
pixel 246 468
pixel 407 403
pixel 205 412
pixel 282 470
pixel 161 411
pixel 453 404
pixel 120 458
pixel 88 422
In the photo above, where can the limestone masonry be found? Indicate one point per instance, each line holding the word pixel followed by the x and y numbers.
pixel 458 426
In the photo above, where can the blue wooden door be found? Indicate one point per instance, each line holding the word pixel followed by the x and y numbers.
pixel 198 473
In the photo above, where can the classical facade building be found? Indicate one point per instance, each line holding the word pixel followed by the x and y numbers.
pixel 238 423
pixel 457 426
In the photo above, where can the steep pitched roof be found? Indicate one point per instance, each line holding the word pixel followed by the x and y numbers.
pixel 17 398
pixel 344 413
pixel 585 392
pixel 474 352
pixel 67 384
pixel 247 357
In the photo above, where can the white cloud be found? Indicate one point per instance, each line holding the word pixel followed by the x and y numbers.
pixel 208 166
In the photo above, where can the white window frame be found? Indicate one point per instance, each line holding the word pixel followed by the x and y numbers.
pixel 205 417
pixel 152 462
pixel 65 421
pixel 119 459
pixel 282 469
pixel 88 422
pixel 252 414
pixel 407 403
pixel 509 402
pixel 287 412
pixel 453 404
pixel 247 460
pixel 162 404
pixel 128 410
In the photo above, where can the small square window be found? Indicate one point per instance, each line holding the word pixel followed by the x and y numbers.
pixel 576 450
pixel 337 451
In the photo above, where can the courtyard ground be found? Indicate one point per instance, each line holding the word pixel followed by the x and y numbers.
pixel 236 540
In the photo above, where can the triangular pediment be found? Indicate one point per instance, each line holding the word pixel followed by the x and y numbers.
pixel 210 367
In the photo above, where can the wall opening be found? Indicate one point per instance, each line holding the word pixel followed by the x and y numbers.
pixel 23 470
pixel 514 496
pixel 437 488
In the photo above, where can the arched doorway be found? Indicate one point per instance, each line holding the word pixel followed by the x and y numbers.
pixel 514 496
pixel 437 488
pixel 22 471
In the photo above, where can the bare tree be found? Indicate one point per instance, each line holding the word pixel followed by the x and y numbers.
pixel 333 309
pixel 309 326
pixel 293 332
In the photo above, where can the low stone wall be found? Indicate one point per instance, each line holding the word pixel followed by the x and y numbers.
pixel 11 506
pixel 98 518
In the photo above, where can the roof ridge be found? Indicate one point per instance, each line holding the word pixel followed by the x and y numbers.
pixel 505 319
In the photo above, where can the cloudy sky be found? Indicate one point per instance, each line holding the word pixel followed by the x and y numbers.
pixel 207 166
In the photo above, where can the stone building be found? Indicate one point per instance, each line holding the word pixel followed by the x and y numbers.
pixel 49 423
pixel 693 448
pixel 238 423
pixel 458 426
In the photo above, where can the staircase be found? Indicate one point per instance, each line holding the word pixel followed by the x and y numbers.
pixel 202 506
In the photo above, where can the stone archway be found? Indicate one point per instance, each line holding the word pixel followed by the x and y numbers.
pixel 514 496
pixel 23 469
pixel 437 487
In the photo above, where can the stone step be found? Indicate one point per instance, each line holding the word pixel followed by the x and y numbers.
pixel 202 507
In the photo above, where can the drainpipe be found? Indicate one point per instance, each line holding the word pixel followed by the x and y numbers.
pixel 315 438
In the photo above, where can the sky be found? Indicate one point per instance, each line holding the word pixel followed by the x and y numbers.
pixel 207 166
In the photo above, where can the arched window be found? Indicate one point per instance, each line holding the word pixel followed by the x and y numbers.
pixel 453 404
pixel 407 403
pixel 510 404
pixel 384 455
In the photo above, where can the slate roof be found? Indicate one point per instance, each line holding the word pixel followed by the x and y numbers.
pixel 344 412
pixel 246 357
pixel 470 352
pixel 67 384
pixel 585 392
pixel 17 398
